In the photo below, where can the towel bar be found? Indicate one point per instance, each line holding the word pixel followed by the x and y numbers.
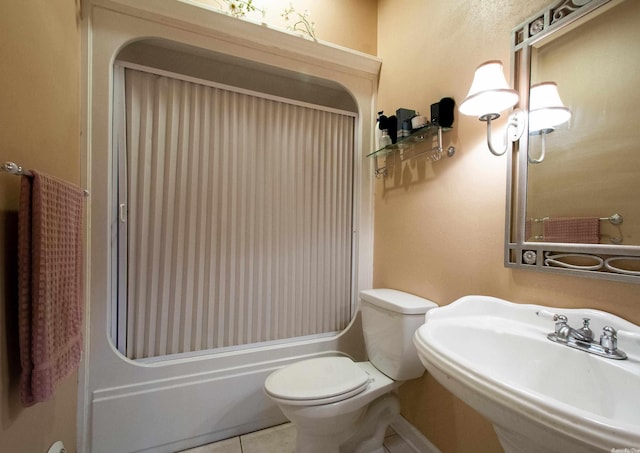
pixel 615 219
pixel 15 169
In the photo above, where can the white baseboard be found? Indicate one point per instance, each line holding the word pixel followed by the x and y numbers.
pixel 414 438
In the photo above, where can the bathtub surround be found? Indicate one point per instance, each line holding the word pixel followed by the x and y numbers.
pixel 220 389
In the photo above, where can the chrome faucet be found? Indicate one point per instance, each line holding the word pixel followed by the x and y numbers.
pixel 564 331
pixel 609 339
pixel 583 337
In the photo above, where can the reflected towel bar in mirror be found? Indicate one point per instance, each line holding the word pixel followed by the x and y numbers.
pixel 615 219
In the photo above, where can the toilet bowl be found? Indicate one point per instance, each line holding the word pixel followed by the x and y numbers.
pixel 339 405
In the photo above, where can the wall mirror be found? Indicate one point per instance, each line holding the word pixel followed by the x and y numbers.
pixel 573 198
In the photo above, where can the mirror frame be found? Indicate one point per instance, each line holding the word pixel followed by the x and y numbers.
pixel 587 260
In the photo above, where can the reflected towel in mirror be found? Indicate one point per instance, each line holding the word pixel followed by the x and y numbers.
pixel 581 230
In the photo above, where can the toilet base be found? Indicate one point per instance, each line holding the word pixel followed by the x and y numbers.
pixel 360 431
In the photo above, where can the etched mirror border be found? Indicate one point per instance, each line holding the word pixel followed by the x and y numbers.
pixel 587 260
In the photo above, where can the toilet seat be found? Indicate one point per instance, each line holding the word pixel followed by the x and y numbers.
pixel 322 380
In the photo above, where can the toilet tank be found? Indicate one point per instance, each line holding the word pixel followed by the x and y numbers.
pixel 389 321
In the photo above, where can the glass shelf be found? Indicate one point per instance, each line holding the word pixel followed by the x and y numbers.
pixel 403 144
pixel 417 136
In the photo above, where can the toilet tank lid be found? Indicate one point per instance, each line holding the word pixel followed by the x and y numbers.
pixel 398 301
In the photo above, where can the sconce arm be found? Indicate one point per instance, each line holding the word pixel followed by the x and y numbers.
pixel 543 145
pixel 543 150
pixel 490 135
pixel 512 133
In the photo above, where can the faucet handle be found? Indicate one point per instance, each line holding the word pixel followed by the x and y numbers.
pixel 609 339
pixel 550 316
pixel 561 326
pixel 586 330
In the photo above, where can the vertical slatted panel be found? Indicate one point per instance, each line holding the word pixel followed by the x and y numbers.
pixel 239 217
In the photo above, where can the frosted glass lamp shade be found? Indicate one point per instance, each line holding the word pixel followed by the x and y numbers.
pixel 546 109
pixel 489 93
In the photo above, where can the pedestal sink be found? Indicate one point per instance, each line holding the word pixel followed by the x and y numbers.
pixel 541 396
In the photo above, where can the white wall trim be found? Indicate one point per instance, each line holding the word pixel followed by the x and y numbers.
pixel 193 16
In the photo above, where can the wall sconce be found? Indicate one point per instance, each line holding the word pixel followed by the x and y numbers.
pixel 546 111
pixel 489 95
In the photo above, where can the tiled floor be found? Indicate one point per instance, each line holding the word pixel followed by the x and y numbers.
pixel 282 439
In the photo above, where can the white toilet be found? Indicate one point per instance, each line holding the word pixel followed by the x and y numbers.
pixel 341 406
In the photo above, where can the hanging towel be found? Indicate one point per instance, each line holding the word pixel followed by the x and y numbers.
pixel 50 284
pixel 581 230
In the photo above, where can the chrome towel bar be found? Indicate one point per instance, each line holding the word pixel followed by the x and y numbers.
pixel 15 169
pixel 615 219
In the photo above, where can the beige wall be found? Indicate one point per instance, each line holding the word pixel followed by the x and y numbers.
pixel 439 229
pixel 39 128
pixel 349 23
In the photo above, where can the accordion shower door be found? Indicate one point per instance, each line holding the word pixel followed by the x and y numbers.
pixel 236 217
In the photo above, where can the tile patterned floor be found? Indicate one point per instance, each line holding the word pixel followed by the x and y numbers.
pixel 282 439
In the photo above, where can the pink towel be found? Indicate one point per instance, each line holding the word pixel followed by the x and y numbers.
pixel 50 284
pixel 581 230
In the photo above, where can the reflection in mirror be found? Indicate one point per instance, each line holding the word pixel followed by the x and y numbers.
pixel 546 112
pixel 576 183
pixel 592 165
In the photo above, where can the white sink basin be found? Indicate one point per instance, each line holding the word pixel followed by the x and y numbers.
pixel 540 396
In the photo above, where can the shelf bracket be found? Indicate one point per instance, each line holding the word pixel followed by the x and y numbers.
pixel 433 154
